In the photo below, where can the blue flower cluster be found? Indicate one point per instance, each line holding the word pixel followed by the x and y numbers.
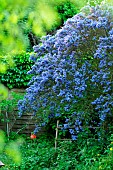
pixel 73 70
pixel 74 124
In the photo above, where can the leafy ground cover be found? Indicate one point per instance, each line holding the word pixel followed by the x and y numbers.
pixel 40 154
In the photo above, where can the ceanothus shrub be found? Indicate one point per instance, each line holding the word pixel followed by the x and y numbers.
pixel 72 75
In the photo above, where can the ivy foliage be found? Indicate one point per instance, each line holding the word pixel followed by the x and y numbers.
pixel 16 76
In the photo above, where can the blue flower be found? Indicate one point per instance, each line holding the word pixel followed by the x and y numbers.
pixel 66 126
pixel 71 131
pixel 74 137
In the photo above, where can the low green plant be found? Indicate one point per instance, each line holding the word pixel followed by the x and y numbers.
pixel 106 160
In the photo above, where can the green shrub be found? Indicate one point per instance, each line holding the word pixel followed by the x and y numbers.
pixel 67 10
pixel 16 77
pixel 11 102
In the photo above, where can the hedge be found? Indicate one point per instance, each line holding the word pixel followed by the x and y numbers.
pixel 16 77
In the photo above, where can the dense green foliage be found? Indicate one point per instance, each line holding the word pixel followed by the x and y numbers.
pixel 16 76
pixel 83 154
pixel 10 103
pixel 67 10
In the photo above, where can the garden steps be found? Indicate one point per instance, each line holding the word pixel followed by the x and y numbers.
pixel 12 122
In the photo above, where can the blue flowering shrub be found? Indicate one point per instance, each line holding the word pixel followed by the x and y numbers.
pixel 73 73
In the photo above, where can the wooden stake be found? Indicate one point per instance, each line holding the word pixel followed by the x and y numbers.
pixel 56 138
